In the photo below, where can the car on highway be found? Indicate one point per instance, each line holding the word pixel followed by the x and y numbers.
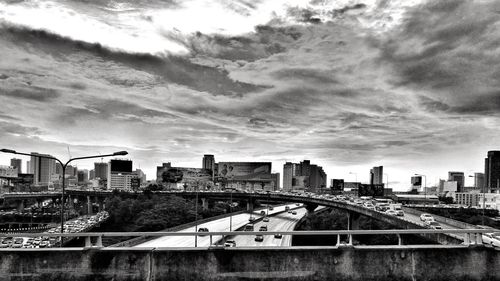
pixel 391 212
pixel 492 239
pixel 271 208
pixel 263 213
pixel 248 227
pixel 263 228
pixel 287 208
pixel 203 229
pixel 266 219
pixel 230 243
pixel 251 218
pixel 369 206
pixel 424 217
pixel 434 225
pixel 278 235
pixel 259 238
pixel 294 212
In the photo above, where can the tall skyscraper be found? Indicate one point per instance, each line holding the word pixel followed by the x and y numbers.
pixel 43 169
pixel 459 178
pixel 288 173
pixel 377 175
pixel 101 170
pixel 208 162
pixel 276 179
pixel 83 176
pixel 479 181
pixel 91 174
pixel 492 170
pixel 16 163
pixel 28 167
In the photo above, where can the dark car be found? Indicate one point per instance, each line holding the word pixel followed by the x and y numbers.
pixel 263 228
pixel 203 229
pixel 278 236
pixel 259 238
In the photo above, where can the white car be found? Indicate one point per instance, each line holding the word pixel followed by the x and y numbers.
pixel 391 212
pixel 424 217
pixel 492 239
pixel 433 224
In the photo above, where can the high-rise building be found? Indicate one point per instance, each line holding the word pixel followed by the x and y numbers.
pixel 16 163
pixel 288 173
pixel 43 169
pixel 492 170
pixel 459 178
pixel 208 162
pixel 377 175
pixel 120 174
pixel 101 170
pixel 479 181
pixel 276 179
pixel 83 176
pixel 91 174
pixel 303 176
pixel 28 167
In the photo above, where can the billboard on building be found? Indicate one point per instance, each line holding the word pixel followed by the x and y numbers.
pixel 121 166
pixel 374 190
pixel 180 176
pixel 244 171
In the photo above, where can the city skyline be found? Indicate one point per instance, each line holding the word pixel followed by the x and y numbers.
pixel 407 85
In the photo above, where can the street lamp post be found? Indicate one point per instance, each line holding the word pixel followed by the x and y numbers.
pixel 63 165
pixel 196 219
pixel 231 212
pixel 484 197
pixel 425 188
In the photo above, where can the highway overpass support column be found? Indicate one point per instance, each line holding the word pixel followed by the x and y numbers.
pixel 250 205
pixel 204 203
pixel 89 205
pixel 20 205
pixel 353 220
pixel 101 204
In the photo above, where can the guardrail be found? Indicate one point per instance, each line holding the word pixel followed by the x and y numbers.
pixel 472 236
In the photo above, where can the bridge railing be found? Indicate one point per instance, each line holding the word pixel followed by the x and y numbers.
pixel 472 236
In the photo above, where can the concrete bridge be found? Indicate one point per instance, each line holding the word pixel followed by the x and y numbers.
pixel 354 211
pixel 470 261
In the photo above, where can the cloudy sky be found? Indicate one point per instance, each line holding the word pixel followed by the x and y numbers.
pixel 410 85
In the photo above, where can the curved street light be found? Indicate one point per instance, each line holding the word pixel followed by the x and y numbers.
pixel 63 165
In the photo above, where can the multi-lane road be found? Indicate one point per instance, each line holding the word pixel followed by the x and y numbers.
pixel 213 226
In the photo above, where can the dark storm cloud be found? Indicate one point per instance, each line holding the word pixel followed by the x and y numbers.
pixel 14 128
pixel 448 48
pixel 172 69
pixel 33 93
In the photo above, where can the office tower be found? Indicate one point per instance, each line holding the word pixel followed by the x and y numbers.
pixel 276 179
pixel 459 178
pixel 91 174
pixel 479 181
pixel 492 170
pixel 288 173
pixel 43 169
pixel 377 175
pixel 101 170
pixel 16 163
pixel 120 174
pixel 28 167
pixel 208 162
pixel 82 176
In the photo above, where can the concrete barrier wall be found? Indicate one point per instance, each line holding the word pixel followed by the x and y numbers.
pixel 346 263
pixel 455 223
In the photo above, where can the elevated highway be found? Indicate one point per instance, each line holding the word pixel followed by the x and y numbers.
pixel 409 221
